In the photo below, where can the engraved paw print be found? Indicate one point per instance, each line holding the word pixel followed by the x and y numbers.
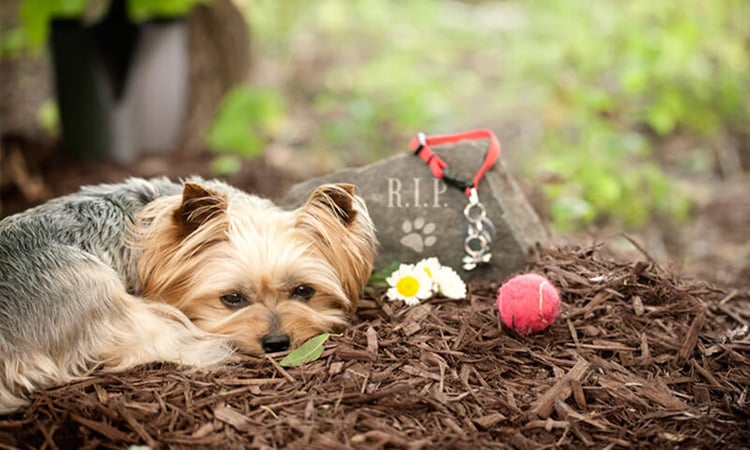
pixel 418 234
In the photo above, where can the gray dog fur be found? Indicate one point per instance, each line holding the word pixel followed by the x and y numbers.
pixel 67 284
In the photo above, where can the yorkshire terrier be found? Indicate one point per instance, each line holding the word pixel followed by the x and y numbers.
pixel 149 270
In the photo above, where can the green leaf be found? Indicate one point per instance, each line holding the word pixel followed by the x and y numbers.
pixel 378 278
pixel 309 351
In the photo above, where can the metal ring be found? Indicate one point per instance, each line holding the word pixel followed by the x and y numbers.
pixel 475 206
pixel 483 244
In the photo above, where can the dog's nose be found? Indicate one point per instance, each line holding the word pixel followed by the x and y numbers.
pixel 273 343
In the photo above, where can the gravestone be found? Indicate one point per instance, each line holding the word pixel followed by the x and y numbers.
pixel 418 216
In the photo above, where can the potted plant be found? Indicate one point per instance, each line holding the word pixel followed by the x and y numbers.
pixel 120 69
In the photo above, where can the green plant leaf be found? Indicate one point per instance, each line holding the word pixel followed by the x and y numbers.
pixel 309 351
pixel 378 278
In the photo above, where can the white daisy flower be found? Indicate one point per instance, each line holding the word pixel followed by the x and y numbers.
pixel 409 284
pixel 449 283
pixel 431 266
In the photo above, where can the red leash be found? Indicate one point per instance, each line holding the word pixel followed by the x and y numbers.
pixel 421 146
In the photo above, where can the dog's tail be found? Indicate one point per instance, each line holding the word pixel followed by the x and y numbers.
pixel 138 332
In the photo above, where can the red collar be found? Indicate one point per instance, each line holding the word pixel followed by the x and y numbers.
pixel 421 146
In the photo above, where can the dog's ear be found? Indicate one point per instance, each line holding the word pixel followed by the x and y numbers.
pixel 337 224
pixel 338 199
pixel 199 205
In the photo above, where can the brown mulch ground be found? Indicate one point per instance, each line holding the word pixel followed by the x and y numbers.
pixel 638 358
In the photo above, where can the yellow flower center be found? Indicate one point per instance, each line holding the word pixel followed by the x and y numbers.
pixel 407 286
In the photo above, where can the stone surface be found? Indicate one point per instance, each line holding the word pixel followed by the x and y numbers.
pixel 417 215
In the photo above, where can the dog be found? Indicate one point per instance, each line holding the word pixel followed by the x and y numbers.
pixel 119 275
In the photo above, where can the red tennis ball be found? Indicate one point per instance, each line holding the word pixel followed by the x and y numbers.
pixel 528 303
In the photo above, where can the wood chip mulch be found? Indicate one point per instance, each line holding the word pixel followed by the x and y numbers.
pixel 638 358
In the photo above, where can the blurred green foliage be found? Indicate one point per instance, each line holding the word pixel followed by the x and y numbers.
pixel 617 84
pixel 48 117
pixel 142 10
pixel 37 14
pixel 600 84
pixel 12 42
pixel 246 120
pixel 582 93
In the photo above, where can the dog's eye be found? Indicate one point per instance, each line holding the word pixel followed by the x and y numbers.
pixel 302 292
pixel 234 300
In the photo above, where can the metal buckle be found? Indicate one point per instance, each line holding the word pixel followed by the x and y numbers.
pixel 422 139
